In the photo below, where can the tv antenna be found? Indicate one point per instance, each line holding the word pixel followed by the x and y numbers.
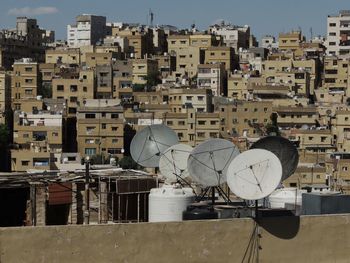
pixel 148 144
pixel 151 17
pixel 208 164
pixel 284 149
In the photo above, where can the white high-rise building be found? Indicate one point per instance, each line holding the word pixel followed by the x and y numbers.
pixel 338 33
pixel 88 30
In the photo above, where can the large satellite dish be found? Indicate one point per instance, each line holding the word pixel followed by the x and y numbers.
pixel 173 162
pixel 148 144
pixel 209 161
pixel 254 174
pixel 284 149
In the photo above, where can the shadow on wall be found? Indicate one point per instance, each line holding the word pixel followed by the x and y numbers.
pixel 282 227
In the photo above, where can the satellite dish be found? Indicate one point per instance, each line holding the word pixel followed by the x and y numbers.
pixel 173 162
pixel 254 174
pixel 284 149
pixel 148 144
pixel 209 161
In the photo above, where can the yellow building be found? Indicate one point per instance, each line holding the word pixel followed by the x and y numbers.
pixel 193 127
pixel 63 56
pixel 290 41
pixel 221 54
pixel 75 88
pixel 25 82
pixel 37 136
pixel 183 99
pixel 141 68
pixel 100 129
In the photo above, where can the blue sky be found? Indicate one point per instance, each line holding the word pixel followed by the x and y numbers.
pixel 264 16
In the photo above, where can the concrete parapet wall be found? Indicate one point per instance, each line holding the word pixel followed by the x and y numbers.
pixel 293 239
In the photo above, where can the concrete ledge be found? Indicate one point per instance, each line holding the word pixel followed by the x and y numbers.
pixel 292 239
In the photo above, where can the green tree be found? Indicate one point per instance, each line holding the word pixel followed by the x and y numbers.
pixel 128 163
pixel 152 79
pixel 272 127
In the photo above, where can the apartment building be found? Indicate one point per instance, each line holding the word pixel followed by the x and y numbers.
pixel 26 40
pixel 63 56
pixel 100 128
pixel 336 75
pixel 221 54
pixel 5 97
pixel 338 33
pixel 104 81
pixel 212 76
pixel 243 118
pixel 182 100
pixel 232 36
pixel 290 41
pixel 25 82
pixel 193 127
pixel 37 137
pixel 341 130
pixel 88 30
pixel 75 87
pixel 187 56
pixel 307 176
pixel 237 86
pixel 142 68
pixel 122 79
pixel 296 116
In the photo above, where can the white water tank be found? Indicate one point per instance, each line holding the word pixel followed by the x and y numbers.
pixel 166 204
pixel 283 196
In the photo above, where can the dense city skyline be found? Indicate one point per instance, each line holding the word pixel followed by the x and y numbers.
pixel 282 16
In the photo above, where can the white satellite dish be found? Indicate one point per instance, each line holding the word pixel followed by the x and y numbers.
pixel 148 144
pixel 209 161
pixel 173 162
pixel 254 174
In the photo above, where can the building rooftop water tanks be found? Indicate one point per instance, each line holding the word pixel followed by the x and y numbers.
pixel 166 204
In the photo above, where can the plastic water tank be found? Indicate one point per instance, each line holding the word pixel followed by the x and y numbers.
pixel 166 204
pixel 195 212
pixel 282 196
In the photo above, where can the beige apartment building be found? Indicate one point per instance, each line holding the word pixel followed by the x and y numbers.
pixel 305 176
pixel 122 79
pixel 221 54
pixel 193 127
pixel 341 130
pixel 141 68
pixel 237 86
pixel 297 116
pixel 212 76
pixel 5 96
pixel 244 118
pixel 100 129
pixel 75 88
pixel 183 99
pixel 37 137
pixel 63 56
pixel 290 41
pixel 25 82
pixel 336 75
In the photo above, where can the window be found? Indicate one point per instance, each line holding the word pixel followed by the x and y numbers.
pixel 90 116
pixel 213 135
pixel 311 138
pixel 28 92
pixel 114 151
pixel 180 135
pixel 90 129
pixel 114 115
pixel 200 98
pixel 200 134
pixel 103 126
pixel 201 122
pixel 28 69
pixel 213 122
pixel 60 88
pixel 332 24
pixel 182 123
pixel 90 151
pixel 114 140
pixel 114 128
pixel 332 34
pixel 85 89
pixel 25 163
pixel 332 43
pixel 29 81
